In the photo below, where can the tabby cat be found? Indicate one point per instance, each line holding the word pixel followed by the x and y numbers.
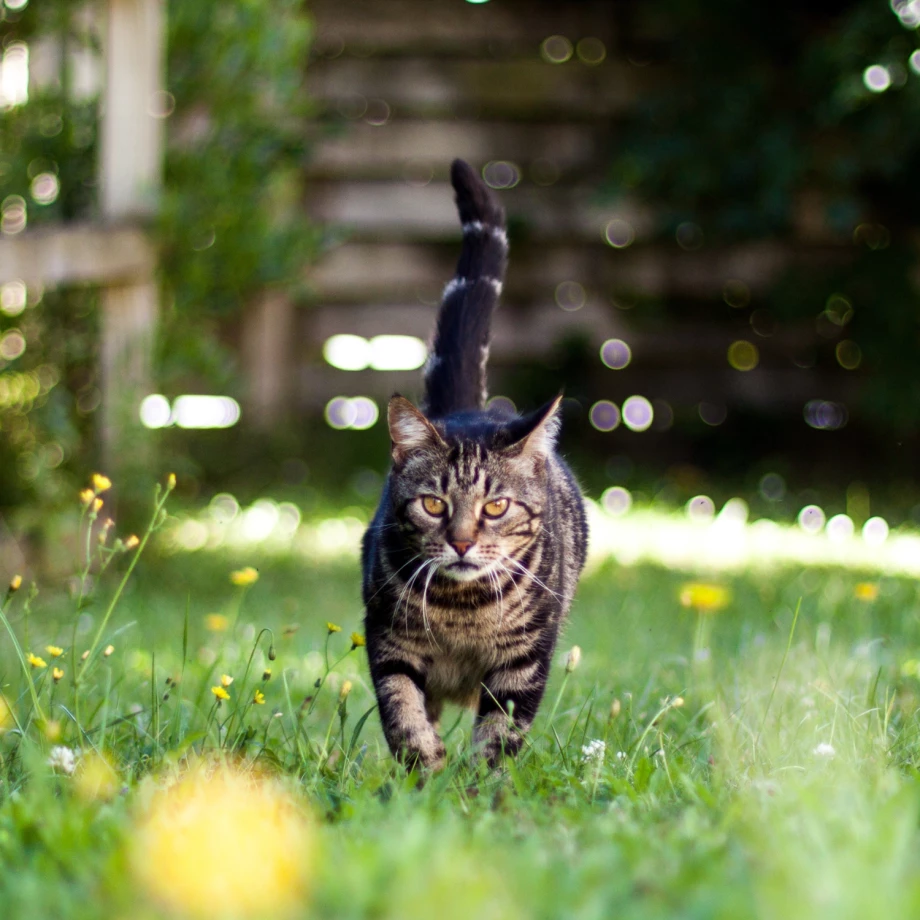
pixel 472 558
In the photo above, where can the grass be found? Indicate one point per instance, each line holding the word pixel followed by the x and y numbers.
pixel 753 759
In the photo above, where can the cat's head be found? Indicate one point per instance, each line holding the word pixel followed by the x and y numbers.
pixel 469 491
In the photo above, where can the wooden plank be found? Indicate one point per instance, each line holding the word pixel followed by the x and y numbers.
pixel 416 150
pixel 451 27
pixel 77 254
pixel 266 343
pixel 516 90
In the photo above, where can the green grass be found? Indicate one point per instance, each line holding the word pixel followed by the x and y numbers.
pixel 725 805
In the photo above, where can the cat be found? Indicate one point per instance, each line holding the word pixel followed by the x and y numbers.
pixel 472 558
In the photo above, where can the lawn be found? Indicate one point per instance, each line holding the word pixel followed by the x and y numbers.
pixel 729 745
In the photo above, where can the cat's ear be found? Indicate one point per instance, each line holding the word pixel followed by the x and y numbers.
pixel 535 434
pixel 410 431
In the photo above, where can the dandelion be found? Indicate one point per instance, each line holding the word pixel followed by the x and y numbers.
pixel 357 640
pixel 107 651
pixel 333 628
pixel 242 578
pixel 267 674
pixel 824 750
pixel 573 659
pixel 225 680
pixel 15 583
pixel 171 481
pixel 62 759
pixel 346 689
pixel 35 661
pixel 95 779
pixel 57 674
pixel 594 751
pixel 220 693
pixel 55 651
pixel 703 597
pixel 97 505
pixel 223 845
pixel 101 483
pixel 87 496
pixel 258 698
pixel 132 541
pixel 216 622
pixel 865 591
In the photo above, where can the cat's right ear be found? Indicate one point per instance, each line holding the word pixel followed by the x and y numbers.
pixel 410 431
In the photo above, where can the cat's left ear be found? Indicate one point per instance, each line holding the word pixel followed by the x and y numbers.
pixel 535 434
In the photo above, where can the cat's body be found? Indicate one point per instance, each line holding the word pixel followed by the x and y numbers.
pixel 473 556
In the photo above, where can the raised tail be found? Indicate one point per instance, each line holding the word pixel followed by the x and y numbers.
pixel 455 376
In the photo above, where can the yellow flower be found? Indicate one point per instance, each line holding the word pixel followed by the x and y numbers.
pixel 97 505
pixel 333 628
pixel 132 541
pixel 86 496
pixel 15 583
pixel 101 483
pixel 346 689
pixel 35 661
pixel 242 578
pixel 215 622
pixel 226 680
pixel 865 591
pixel 357 640
pixel 220 693
pixel 54 651
pixel 108 650
pixel 267 674
pixel 223 845
pixel 573 659
pixel 7 719
pixel 57 674
pixel 704 597
pixel 171 481
pixel 95 779
pixel 258 698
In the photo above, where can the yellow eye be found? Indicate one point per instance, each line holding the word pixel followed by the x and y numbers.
pixel 434 506
pixel 495 508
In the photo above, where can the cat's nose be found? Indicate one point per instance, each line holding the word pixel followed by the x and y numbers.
pixel 461 546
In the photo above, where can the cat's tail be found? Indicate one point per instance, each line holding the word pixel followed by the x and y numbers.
pixel 455 376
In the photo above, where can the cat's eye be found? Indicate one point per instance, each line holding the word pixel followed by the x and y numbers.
pixel 434 506
pixel 495 508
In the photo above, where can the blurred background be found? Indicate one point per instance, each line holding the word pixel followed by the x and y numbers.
pixel 226 226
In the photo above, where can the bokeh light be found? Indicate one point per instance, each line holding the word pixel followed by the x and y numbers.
pixel 570 296
pixel 907 11
pixel 357 413
pixel 616 354
pixel 14 74
pixel 700 509
pixel 591 51
pixel 849 354
pixel 502 404
pixel 12 345
pixel 13 215
pixel 13 297
pixel 196 411
pixel 840 528
pixel 713 414
pixel 155 411
pixel 772 487
pixel 811 519
pixel 663 415
pixel 638 414
pixel 877 78
pixel 556 49
pixel 45 188
pixel 619 233
pixel 743 355
pixel 824 415
pixel 604 415
pixel 838 309
pixel 381 353
pixel 736 293
pixel 875 531
pixel 616 501
pixel 762 323
pixel 914 61
pixel 689 236
pixel 501 174
pixel 347 352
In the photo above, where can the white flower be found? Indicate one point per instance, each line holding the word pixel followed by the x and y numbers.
pixel 621 755
pixel 62 759
pixel 594 751
pixel 824 750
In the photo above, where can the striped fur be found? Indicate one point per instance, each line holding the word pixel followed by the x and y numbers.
pixel 473 556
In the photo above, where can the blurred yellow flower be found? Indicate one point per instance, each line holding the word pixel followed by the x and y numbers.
pixel 95 779
pixel 357 640
pixel 107 651
pixel 258 698
pixel 267 674
pixel 35 661
pixel 216 622
pixel 865 591
pixel 346 689
pixel 15 583
pixel 132 541
pixel 704 597
pixel 7 719
pixel 244 577
pixel 224 845
pixel 220 693
pixel 86 496
pixel 225 680
pixel 333 628
pixel 57 674
pixel 171 481
pixel 101 483
pixel 97 505
pixel 573 658
pixel 55 651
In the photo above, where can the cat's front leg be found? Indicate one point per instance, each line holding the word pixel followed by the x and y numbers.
pixel 400 688
pixel 508 702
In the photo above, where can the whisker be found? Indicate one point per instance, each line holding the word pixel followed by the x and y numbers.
pixel 524 570
pixel 425 604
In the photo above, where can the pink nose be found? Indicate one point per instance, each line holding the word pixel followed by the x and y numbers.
pixel 461 546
